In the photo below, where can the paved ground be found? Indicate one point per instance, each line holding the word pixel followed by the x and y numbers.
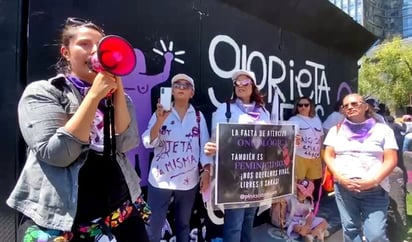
pixel 261 234
pixel 327 209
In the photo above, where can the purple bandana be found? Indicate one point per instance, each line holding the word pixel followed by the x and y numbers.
pixel 82 86
pixel 358 131
pixel 251 109
pixel 96 132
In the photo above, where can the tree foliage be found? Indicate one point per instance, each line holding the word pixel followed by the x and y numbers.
pixel 386 73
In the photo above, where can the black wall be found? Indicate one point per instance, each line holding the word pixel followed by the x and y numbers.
pixel 252 34
pixel 13 78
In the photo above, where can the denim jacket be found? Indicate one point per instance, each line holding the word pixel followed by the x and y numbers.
pixel 46 190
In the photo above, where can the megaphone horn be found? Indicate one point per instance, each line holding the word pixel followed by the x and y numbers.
pixel 114 55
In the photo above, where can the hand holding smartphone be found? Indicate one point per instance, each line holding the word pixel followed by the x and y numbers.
pixel 166 98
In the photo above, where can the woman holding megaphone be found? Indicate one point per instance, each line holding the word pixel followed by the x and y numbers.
pixel 77 184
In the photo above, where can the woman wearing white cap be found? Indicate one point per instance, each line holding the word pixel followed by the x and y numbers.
pixel 246 106
pixel 177 137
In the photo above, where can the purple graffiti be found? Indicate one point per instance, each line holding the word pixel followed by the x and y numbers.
pixel 343 86
pixel 138 85
pixel 193 133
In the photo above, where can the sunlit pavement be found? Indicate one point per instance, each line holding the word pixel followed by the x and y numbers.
pixel 327 209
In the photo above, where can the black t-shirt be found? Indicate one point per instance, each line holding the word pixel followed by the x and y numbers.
pixel 102 188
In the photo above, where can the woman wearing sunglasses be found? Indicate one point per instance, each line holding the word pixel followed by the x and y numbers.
pixel 361 154
pixel 69 189
pixel 246 106
pixel 177 137
pixel 308 163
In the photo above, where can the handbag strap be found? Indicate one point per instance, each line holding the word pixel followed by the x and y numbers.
pixel 198 123
pixel 228 113
pixel 109 130
pixel 198 130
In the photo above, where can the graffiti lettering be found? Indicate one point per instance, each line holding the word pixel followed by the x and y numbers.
pixel 309 79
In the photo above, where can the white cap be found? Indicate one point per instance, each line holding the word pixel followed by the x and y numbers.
pixel 250 74
pixel 182 76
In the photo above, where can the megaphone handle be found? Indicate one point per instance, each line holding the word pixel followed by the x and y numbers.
pixel 109 130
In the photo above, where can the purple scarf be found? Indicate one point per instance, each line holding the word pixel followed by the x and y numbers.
pixel 96 132
pixel 82 86
pixel 358 131
pixel 251 109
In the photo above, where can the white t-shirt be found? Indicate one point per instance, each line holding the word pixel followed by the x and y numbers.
pixel 177 151
pixel 311 132
pixel 355 159
pixel 237 116
pixel 379 118
pixel 333 119
pixel 408 127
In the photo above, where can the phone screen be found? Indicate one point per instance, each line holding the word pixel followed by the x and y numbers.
pixel 166 98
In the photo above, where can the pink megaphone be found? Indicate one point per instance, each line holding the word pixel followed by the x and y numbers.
pixel 114 55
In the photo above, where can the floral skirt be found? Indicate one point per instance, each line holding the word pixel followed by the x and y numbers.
pixel 99 229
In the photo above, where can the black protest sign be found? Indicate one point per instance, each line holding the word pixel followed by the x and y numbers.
pixel 254 162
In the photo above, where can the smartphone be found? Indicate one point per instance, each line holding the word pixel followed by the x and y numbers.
pixel 166 98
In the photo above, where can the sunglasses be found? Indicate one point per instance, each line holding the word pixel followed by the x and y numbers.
pixel 243 83
pixel 183 86
pixel 352 104
pixel 77 22
pixel 303 105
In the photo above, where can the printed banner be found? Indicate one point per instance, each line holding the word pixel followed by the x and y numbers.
pixel 254 162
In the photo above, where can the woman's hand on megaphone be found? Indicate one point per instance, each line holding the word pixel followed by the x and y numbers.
pixel 119 83
pixel 103 85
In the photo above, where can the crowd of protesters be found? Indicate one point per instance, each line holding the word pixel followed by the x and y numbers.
pixel 64 123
